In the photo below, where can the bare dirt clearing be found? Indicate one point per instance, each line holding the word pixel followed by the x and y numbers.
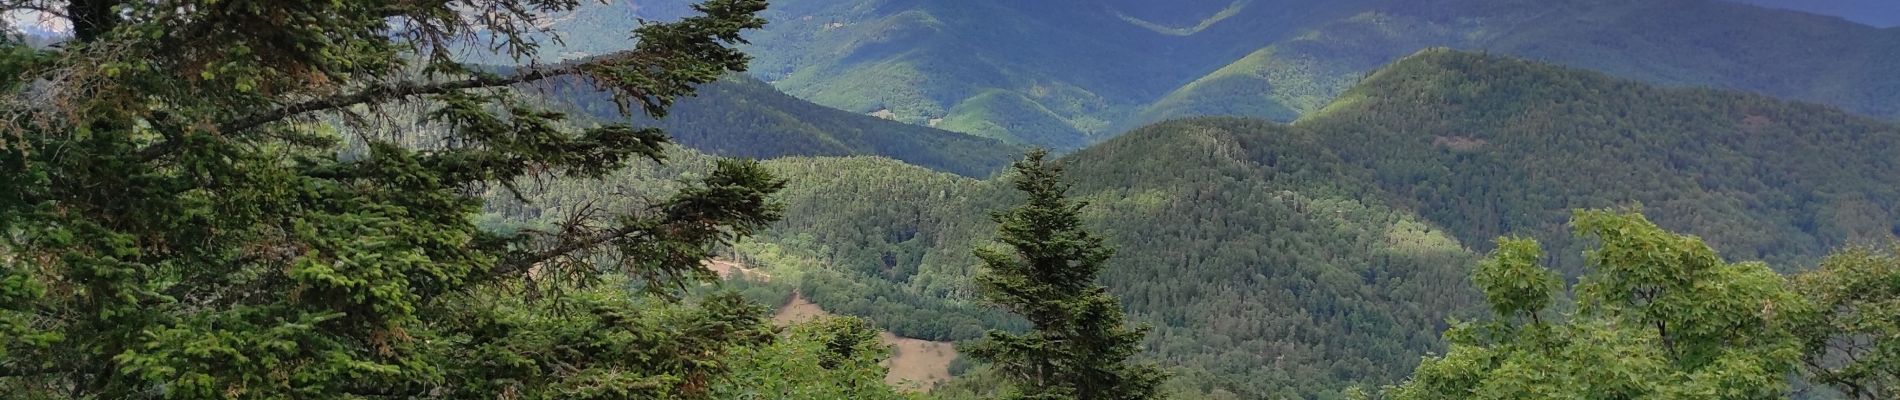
pixel 915 364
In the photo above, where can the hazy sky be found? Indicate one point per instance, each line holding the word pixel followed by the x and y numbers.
pixel 34 21
pixel 1881 13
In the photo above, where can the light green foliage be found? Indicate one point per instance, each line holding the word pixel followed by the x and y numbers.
pixel 1513 280
pixel 829 358
pixel 1852 335
pixel 1078 346
pixel 1009 116
pixel 1660 316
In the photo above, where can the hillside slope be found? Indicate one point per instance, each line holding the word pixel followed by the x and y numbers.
pixel 1296 260
pixel 742 117
pixel 1060 73
pixel 1263 271
pixel 1066 73
pixel 1686 42
pixel 1285 261
pixel 1490 146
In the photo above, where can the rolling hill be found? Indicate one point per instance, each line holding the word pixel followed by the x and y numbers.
pixel 1677 43
pixel 1263 274
pixel 1294 260
pixel 1059 73
pixel 1494 146
pixel 742 117
pixel 1068 73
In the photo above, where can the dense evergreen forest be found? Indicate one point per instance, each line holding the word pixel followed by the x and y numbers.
pixel 1307 228
pixel 1488 146
pixel 350 199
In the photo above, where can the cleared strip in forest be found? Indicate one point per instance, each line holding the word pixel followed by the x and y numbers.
pixel 916 365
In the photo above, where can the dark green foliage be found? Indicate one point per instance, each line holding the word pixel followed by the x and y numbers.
pixel 1251 258
pixel 1488 146
pixel 1259 259
pixel 584 346
pixel 1279 261
pixel 182 219
pixel 1079 345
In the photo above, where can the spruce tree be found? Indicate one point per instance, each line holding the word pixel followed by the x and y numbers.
pixel 1080 345
pixel 182 215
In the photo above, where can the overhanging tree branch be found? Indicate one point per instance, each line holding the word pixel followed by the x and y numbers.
pixel 390 92
pixel 385 93
pixel 523 262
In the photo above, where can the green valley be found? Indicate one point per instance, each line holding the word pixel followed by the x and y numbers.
pixel 1064 74
pixel 1700 43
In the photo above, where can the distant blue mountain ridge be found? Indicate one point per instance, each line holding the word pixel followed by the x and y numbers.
pixel 1880 13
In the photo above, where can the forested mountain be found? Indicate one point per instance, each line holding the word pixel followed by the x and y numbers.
pixel 1297 260
pixel 1262 271
pixel 1488 146
pixel 1069 73
pixel 1055 73
pixel 1294 260
pixel 1263 274
pixel 344 199
pixel 740 116
pixel 1682 42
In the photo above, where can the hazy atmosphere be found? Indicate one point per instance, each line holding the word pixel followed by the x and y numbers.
pixel 950 199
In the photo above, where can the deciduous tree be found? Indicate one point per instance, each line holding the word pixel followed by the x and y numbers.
pixel 1659 316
